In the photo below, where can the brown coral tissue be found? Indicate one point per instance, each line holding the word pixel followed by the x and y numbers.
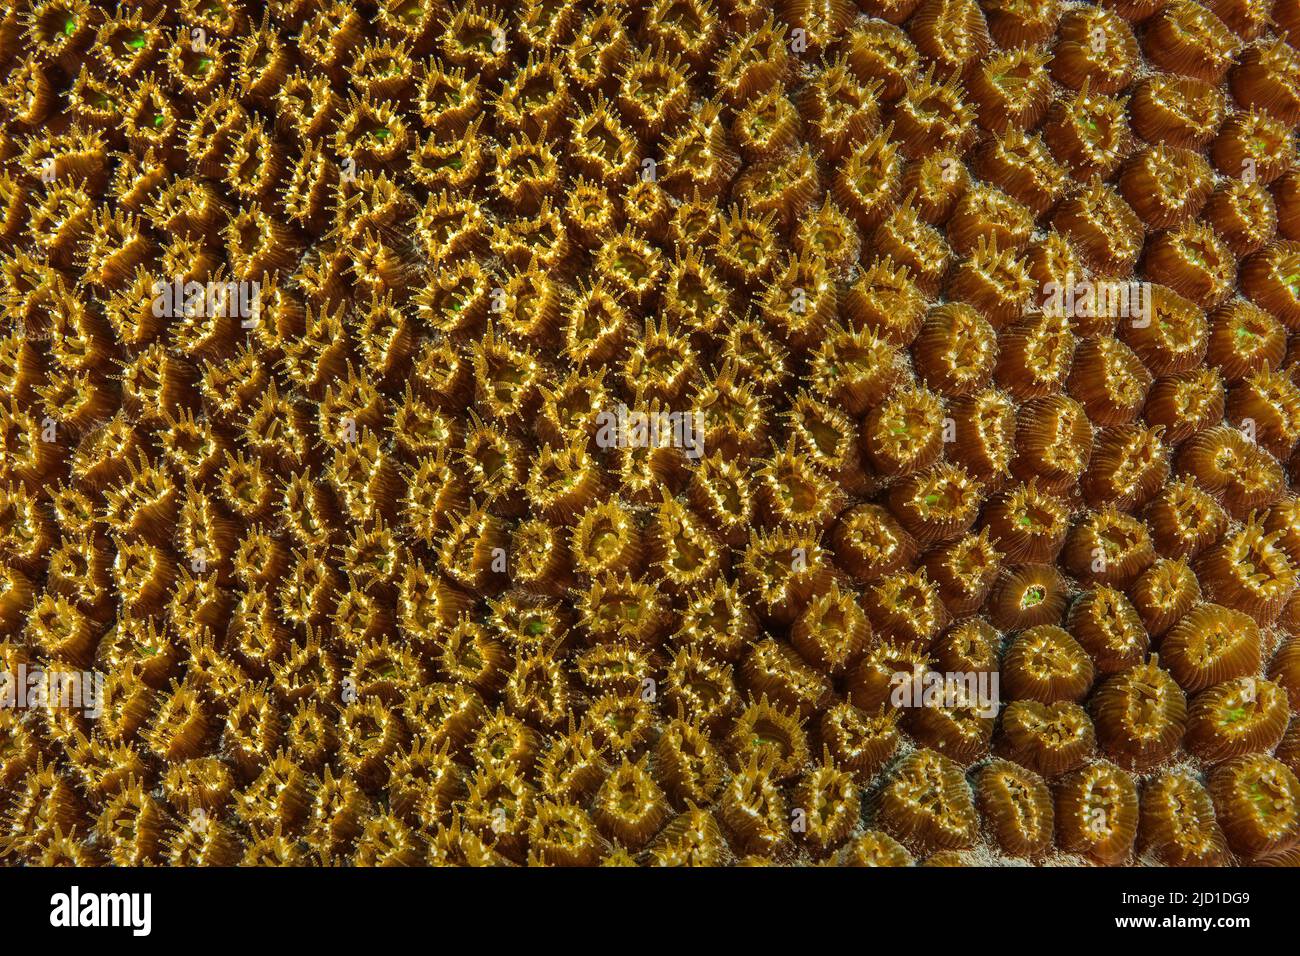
pixel 670 432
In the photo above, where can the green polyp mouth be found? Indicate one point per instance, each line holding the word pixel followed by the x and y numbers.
pixel 1034 596
pixel 1263 801
pixel 69 26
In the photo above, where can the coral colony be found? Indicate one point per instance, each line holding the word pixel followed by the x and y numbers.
pixel 649 432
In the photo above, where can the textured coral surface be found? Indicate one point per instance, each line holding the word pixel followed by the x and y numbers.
pixel 970 536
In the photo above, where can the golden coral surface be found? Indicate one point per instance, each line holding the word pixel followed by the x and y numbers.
pixel 970 536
